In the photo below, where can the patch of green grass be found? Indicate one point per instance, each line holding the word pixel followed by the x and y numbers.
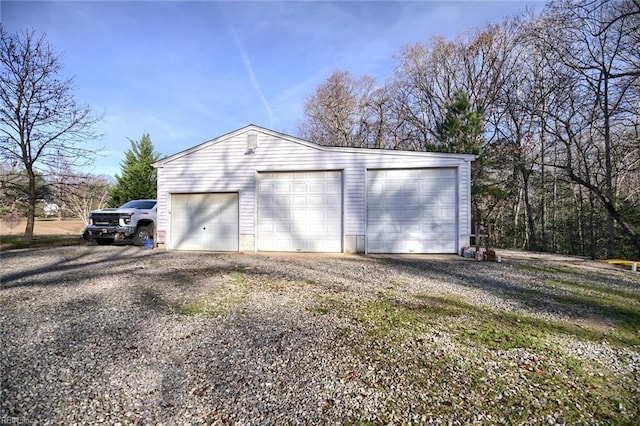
pixel 321 310
pixel 15 242
pixel 502 330
pixel 325 305
pixel 239 278
pixel 541 268
pixel 507 365
pixel 392 319
pixel 599 290
pixel 465 322
pixel 618 309
pixel 233 292
pixel 239 286
pixel 603 295
pixel 498 329
pixel 210 306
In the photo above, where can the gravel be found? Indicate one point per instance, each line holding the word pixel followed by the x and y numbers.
pixel 122 335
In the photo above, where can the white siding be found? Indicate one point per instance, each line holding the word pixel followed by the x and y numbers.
pixel 223 165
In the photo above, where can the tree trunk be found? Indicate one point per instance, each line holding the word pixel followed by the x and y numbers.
pixel 516 220
pixel 580 226
pixel 608 166
pixel 592 236
pixel 31 208
pixel 543 186
pixel 530 223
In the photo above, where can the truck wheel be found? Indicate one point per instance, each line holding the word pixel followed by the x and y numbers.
pixel 143 233
pixel 104 241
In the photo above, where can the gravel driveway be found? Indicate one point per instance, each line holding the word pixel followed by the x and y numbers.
pixel 93 334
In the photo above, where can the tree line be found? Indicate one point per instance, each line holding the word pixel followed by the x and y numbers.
pixel 549 103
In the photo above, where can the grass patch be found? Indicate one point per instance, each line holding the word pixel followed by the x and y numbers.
pixel 236 288
pixel 503 330
pixel 326 305
pixel 462 321
pixel 438 356
pixel 542 268
pixel 231 293
pixel 210 306
pixel 15 242
pixel 499 329
pixel 617 309
pixel 239 278
pixel 602 295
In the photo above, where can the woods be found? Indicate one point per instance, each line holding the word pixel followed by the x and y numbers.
pixel 549 103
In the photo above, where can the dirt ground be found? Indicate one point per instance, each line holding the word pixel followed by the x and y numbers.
pixel 44 227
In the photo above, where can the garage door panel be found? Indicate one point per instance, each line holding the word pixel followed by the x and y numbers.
pixel 299 201
pixel 282 187
pixel 204 221
pixel 300 188
pixel 316 201
pixel 281 213
pixel 304 210
pixel 280 202
pixel 316 188
pixel 266 201
pixel 412 211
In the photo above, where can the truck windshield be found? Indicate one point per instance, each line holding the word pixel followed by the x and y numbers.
pixel 139 204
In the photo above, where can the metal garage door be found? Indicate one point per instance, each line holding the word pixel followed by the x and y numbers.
pixel 300 211
pixel 412 211
pixel 207 221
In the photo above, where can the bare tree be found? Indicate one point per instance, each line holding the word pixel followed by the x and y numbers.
pixel 593 46
pixel 75 192
pixel 40 119
pixel 344 111
pixel 424 83
pixel 83 193
pixel 517 117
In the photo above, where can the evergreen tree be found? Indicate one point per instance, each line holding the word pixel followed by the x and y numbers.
pixel 138 178
pixel 14 191
pixel 460 131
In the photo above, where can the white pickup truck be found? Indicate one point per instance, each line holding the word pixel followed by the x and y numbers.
pixel 134 220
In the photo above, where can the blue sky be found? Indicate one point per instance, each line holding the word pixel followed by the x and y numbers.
pixel 189 71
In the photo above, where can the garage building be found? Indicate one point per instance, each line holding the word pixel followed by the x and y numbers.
pixel 255 189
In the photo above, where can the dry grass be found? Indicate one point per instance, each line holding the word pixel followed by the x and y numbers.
pixel 44 227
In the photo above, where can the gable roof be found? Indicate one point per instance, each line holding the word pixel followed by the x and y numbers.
pixel 259 129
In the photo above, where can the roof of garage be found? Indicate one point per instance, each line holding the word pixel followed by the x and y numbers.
pixel 253 128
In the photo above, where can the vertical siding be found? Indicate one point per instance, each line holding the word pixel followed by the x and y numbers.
pixel 354 199
pixel 224 166
pixel 464 196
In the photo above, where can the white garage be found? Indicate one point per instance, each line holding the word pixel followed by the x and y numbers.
pixel 412 211
pixel 300 211
pixel 204 221
pixel 255 189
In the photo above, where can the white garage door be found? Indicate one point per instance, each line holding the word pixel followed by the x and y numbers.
pixel 207 221
pixel 300 211
pixel 412 211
